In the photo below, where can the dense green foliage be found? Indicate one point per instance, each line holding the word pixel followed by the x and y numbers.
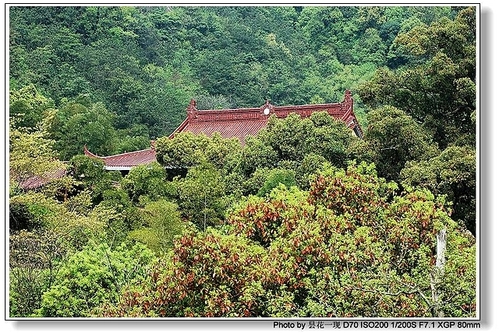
pixel 162 223
pixel 437 88
pixel 392 139
pixel 303 220
pixel 31 153
pixel 349 247
pixel 289 141
pixel 451 173
pixel 92 276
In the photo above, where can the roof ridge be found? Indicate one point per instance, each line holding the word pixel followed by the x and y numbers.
pixel 258 109
pixel 89 153
pixel 128 153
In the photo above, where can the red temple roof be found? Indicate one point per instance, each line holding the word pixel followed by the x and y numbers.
pixel 239 123
pixel 125 161
pixel 233 123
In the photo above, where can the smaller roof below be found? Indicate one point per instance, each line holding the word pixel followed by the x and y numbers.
pixel 125 161
pixel 39 181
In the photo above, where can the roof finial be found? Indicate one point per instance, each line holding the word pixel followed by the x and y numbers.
pixel 267 107
pixel 348 95
pixel 192 104
pixel 191 109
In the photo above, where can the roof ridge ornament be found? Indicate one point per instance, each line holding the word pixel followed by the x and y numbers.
pixel 348 96
pixel 192 111
pixel 267 108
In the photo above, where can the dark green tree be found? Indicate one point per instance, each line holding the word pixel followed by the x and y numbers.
pixel 147 182
pixel 27 107
pixel 92 176
pixel 75 125
pixel 451 173
pixel 437 88
pixel 392 139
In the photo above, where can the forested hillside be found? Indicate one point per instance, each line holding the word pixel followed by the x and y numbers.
pixel 304 220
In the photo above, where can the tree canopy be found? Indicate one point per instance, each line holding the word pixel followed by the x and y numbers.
pixel 309 254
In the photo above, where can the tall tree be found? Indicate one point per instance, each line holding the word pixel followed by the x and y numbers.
pixel 31 154
pixel 290 139
pixel 201 196
pixel 27 107
pixel 392 139
pixel 147 183
pixel 451 173
pixel 76 125
pixel 186 150
pixel 162 223
pixel 438 87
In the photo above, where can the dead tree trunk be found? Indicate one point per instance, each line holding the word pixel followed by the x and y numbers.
pixel 437 273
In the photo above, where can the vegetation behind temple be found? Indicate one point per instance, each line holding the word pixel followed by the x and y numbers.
pixel 298 222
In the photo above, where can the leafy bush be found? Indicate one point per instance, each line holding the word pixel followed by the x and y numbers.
pixel 92 276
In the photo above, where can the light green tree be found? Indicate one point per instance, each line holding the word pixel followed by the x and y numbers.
pixel 201 196
pixel 162 223
pixel 186 150
pixel 92 276
pixel 31 154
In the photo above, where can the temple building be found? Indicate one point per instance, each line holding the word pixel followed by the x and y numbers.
pixel 233 123
pixel 230 123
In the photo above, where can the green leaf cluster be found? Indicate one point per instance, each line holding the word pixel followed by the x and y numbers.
pixel 91 276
